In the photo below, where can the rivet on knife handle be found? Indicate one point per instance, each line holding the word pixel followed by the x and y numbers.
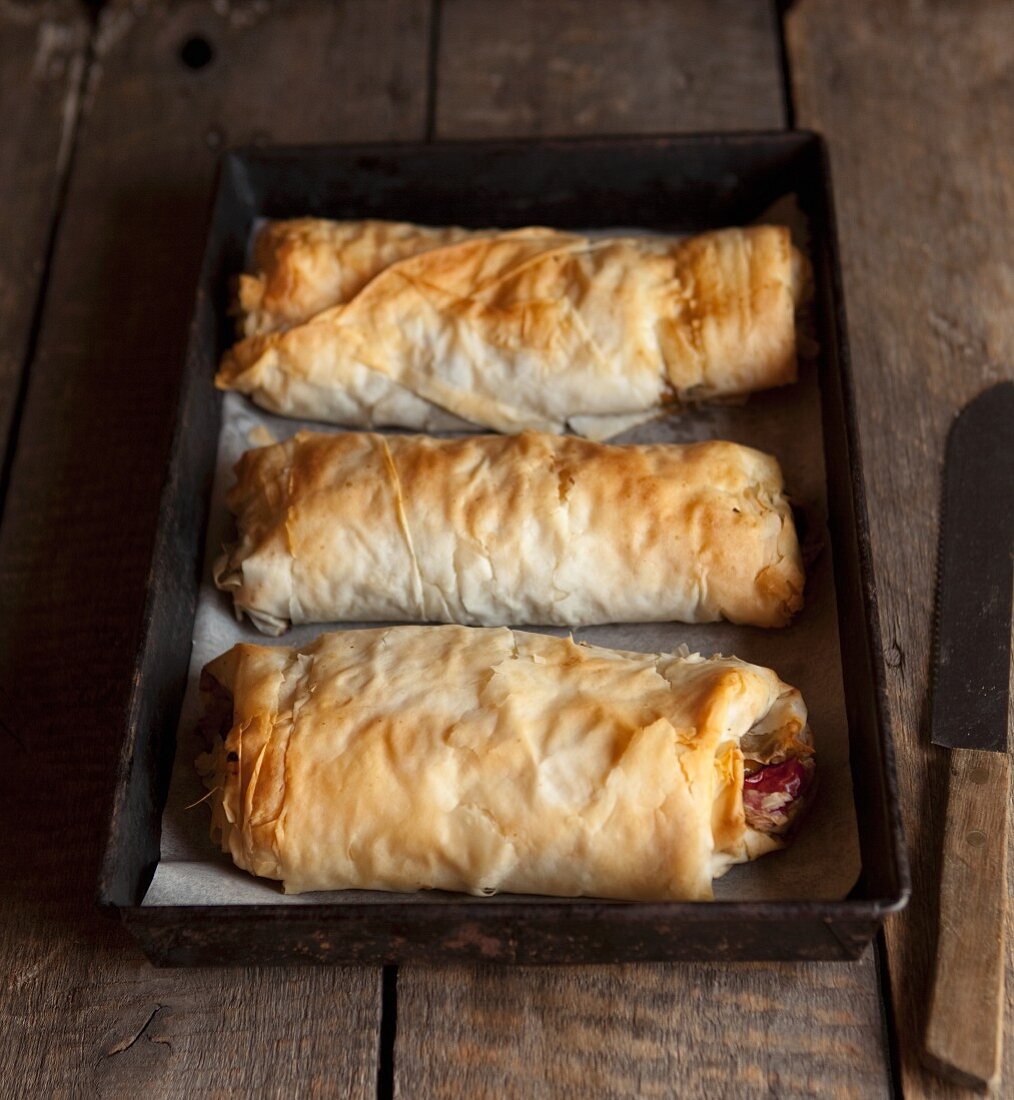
pixel 968 985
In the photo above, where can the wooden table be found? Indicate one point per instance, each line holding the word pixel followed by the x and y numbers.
pixel 112 118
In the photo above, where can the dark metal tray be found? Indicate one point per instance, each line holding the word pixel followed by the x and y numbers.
pixel 687 183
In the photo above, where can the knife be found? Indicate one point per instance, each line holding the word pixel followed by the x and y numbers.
pixel 969 714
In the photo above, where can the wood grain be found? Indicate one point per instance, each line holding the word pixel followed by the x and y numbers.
pixel 40 91
pixel 530 67
pixel 85 1014
pixel 744 1030
pixel 687 1030
pixel 917 103
pixel 964 1035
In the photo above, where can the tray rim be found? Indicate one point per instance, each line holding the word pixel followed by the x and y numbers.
pixel 232 163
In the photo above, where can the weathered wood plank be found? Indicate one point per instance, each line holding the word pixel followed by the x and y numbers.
pixel 85 1014
pixel 40 89
pixel 687 1030
pixel 918 105
pixel 530 67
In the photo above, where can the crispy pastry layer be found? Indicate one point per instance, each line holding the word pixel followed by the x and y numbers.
pixel 487 760
pixel 490 530
pixel 303 266
pixel 510 330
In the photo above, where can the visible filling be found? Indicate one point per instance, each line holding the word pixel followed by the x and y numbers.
pixel 774 794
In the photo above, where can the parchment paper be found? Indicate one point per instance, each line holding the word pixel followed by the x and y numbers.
pixel 823 861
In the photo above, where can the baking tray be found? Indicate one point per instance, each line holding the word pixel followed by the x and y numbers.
pixel 685 183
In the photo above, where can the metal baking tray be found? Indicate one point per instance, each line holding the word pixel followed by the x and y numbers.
pixel 701 181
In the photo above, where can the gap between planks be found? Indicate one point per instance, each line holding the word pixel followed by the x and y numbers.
pixel 76 536
pixel 78 65
pixel 530 69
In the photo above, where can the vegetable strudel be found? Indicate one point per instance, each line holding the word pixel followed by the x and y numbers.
pixel 490 530
pixel 371 323
pixel 487 760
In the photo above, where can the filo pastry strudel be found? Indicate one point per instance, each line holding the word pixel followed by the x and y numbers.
pixel 491 530
pixel 530 328
pixel 302 266
pixel 486 760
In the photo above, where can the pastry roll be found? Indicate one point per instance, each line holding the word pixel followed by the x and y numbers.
pixel 511 330
pixel 303 266
pixel 485 760
pixel 490 530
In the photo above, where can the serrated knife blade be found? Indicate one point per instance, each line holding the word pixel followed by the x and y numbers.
pixel 971 667
pixel 969 715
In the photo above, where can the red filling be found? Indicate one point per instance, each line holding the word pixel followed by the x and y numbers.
pixel 771 796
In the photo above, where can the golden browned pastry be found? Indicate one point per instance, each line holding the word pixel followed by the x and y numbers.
pixel 305 265
pixel 524 329
pixel 534 528
pixel 485 760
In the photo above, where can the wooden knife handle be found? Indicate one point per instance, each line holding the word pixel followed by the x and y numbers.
pixel 964 1039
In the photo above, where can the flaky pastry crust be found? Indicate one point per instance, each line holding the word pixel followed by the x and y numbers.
pixel 485 760
pixel 489 530
pixel 530 328
pixel 303 266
